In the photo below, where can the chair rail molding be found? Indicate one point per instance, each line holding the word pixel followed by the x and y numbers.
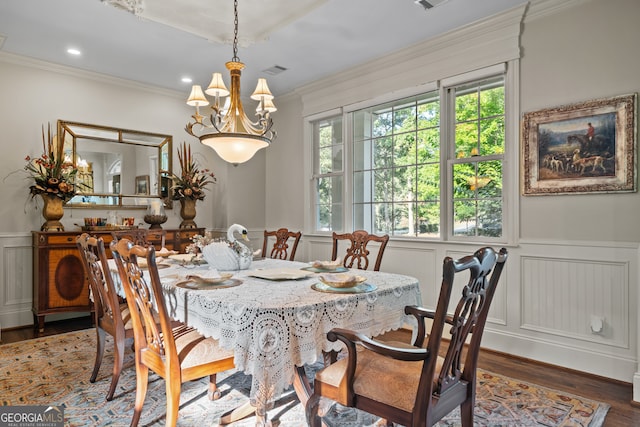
pixel 550 293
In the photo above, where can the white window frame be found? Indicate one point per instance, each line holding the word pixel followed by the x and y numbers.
pixel 510 188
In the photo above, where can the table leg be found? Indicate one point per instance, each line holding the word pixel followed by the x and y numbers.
pixel 301 385
pixel 243 411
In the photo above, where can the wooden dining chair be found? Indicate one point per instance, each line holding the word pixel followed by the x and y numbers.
pixel 420 387
pixel 176 353
pixel 280 247
pixel 357 252
pixel 110 315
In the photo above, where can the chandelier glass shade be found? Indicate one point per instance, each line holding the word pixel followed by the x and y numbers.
pixel 227 129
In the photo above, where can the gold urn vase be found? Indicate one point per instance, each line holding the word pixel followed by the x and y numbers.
pixel 188 212
pixel 52 211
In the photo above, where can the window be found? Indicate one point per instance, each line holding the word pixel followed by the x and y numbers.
pixel 328 173
pixel 479 119
pixel 396 167
pixel 428 165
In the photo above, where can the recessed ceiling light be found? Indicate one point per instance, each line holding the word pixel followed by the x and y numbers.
pixel 187 80
pixel 74 51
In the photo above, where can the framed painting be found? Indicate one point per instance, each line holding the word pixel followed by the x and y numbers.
pixel 142 184
pixel 580 148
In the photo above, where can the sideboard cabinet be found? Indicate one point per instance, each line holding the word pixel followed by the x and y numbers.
pixel 59 282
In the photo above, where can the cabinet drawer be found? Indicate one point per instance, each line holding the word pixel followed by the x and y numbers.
pixel 63 239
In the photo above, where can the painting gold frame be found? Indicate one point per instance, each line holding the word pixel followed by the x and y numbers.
pixel 581 148
pixel 142 184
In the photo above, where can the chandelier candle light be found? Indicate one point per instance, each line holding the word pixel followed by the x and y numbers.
pixel 228 130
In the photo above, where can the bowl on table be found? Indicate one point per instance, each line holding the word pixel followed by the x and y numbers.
pixel 341 280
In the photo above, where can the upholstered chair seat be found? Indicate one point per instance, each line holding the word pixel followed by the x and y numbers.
pixel 411 384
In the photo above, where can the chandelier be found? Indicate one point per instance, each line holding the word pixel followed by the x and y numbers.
pixel 228 130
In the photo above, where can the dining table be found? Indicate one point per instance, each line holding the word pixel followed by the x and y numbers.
pixel 275 317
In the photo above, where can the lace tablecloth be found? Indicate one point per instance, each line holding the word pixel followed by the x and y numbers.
pixel 273 326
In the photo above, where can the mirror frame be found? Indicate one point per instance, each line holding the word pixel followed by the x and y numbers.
pixel 75 130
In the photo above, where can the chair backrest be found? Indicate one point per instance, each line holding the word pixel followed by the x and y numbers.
pixel 358 253
pixel 467 320
pixel 105 298
pixel 145 298
pixel 280 247
pixel 138 236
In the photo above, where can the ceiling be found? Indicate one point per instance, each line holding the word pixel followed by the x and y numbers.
pixel 158 42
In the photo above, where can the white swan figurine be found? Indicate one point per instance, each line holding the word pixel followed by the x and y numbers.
pixel 229 254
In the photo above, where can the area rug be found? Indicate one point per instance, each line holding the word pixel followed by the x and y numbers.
pixel 55 371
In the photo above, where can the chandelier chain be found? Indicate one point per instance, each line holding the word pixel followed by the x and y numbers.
pixel 235 32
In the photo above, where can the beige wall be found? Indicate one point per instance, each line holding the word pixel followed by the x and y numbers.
pixel 34 93
pixel 583 52
pixel 578 254
pixel 586 52
pixel 577 51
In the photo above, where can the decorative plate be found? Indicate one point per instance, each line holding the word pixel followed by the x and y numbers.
pixel 190 284
pixel 280 274
pixel 341 280
pixel 328 265
pixel 142 263
pixel 188 259
pixel 339 269
pixel 362 288
pixel 204 280
pixel 166 253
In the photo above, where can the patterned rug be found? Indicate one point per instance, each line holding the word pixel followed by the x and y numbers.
pixel 55 371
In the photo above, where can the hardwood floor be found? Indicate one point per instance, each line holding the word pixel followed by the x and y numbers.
pixel 617 394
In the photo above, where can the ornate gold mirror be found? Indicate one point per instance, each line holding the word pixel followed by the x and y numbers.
pixel 118 168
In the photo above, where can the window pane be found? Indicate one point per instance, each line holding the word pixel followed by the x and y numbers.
pixel 429 114
pixel 464 180
pixel 362 191
pixel 492 136
pixel 323 218
pixel 492 102
pixel 361 125
pixel 464 218
pixel 466 139
pixel 404 184
pixel 490 218
pixel 382 153
pixel 404 219
pixel 428 219
pixel 428 146
pixel 466 106
pixel 428 187
pixel 404 118
pixel 490 179
pixel 382 122
pixel 383 188
pixel 359 216
pixel 383 218
pixel 404 149
pixel 362 155
pixel 330 159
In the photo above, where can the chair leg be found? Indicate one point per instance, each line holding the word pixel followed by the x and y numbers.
pixel 100 339
pixel 311 411
pixel 213 393
pixel 466 412
pixel 173 401
pixel 118 360
pixel 142 378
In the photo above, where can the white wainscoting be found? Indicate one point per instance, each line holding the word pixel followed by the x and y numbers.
pixel 545 301
pixel 15 276
pixel 543 308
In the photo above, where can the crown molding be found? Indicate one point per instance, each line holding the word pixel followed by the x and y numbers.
pixel 25 61
pixel 479 44
pixel 541 8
